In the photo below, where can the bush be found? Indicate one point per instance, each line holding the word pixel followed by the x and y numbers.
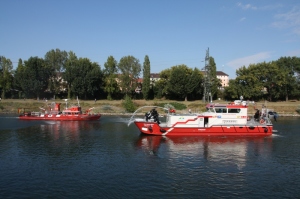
pixel 129 105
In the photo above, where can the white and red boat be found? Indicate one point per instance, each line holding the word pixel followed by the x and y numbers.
pixel 218 119
pixel 72 113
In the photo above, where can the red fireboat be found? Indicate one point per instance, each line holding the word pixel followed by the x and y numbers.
pixel 218 120
pixel 72 113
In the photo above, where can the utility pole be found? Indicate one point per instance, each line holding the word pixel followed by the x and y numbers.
pixel 207 83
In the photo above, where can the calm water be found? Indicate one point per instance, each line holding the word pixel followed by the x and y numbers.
pixel 107 159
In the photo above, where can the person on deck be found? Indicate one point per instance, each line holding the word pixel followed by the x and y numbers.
pixel 256 115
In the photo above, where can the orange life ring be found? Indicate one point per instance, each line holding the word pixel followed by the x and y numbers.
pixel 262 121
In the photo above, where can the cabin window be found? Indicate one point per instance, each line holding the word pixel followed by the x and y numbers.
pixel 221 110
pixel 210 110
pixel 234 110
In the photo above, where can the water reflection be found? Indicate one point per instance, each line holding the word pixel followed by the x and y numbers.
pixel 57 138
pixel 213 149
pixel 69 130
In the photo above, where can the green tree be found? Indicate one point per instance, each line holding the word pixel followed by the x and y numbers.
pixel 18 77
pixel 183 81
pixel 161 86
pixel 215 82
pixel 6 78
pixel 87 81
pixel 146 78
pixel 231 91
pixel 110 75
pixel 248 83
pixel 195 87
pixel 94 81
pixel 56 60
pixel 255 82
pixel 271 79
pixel 130 69
pixel 70 73
pixel 35 76
pixel 289 67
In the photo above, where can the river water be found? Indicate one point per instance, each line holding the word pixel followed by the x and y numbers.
pixel 108 159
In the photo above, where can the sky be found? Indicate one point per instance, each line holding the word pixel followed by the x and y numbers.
pixel 170 32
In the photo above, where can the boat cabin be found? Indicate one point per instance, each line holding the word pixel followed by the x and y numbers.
pixel 74 110
pixel 215 115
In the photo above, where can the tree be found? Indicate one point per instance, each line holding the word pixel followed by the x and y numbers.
pixel 230 92
pixel 6 78
pixel 183 81
pixel 18 77
pixel 93 80
pixel 110 75
pixel 194 86
pixel 161 86
pixel 271 79
pixel 130 69
pixel 70 75
pixel 215 82
pixel 146 78
pixel 35 76
pixel 56 60
pixel 256 81
pixel 289 67
pixel 248 83
pixel 85 78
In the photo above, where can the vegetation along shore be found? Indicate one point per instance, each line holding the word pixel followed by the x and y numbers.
pixel 118 107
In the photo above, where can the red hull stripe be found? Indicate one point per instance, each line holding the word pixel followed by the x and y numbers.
pixel 155 129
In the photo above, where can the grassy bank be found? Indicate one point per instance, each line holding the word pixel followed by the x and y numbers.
pixel 116 107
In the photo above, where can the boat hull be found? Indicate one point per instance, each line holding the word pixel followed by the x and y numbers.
pixel 152 128
pixel 83 117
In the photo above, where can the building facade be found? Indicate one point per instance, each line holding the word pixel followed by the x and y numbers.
pixel 223 77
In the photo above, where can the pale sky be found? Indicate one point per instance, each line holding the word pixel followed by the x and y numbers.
pixel 170 32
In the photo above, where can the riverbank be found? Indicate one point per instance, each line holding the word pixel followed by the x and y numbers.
pixel 115 107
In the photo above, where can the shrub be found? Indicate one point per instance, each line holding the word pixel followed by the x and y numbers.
pixel 128 104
